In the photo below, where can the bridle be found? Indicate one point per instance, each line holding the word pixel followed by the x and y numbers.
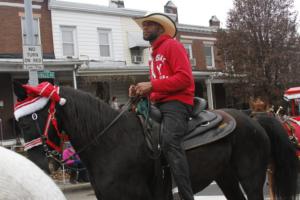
pixel 44 139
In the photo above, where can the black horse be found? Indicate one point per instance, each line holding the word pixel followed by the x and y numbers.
pixel 119 167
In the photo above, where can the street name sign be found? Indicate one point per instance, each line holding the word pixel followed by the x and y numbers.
pixel 46 74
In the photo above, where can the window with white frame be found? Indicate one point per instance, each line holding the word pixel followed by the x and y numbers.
pixel 105 44
pixel 36 31
pixel 209 55
pixel 136 55
pixel 188 48
pixel 68 39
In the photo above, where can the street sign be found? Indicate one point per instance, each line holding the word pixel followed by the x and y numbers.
pixel 32 57
pixel 46 74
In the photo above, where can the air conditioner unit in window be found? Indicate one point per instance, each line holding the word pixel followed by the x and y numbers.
pixel 137 59
pixel 193 62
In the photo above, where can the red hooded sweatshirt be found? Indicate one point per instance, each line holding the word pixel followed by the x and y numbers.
pixel 170 72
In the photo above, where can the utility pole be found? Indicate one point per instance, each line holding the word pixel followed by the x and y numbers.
pixel 32 53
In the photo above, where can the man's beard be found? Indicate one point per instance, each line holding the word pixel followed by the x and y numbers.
pixel 151 37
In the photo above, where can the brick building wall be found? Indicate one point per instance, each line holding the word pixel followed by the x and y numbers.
pixel 198 50
pixel 6 131
pixel 11 31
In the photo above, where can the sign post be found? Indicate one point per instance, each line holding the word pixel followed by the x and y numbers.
pixel 32 53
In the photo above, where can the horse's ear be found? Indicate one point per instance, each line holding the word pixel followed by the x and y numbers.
pixel 19 91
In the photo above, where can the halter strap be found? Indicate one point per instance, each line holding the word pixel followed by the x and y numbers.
pixel 51 119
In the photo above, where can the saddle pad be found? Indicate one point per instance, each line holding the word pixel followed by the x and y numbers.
pixel 223 129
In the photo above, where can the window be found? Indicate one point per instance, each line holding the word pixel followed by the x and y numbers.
pixel 36 31
pixel 105 43
pixel 68 41
pixel 209 55
pixel 136 55
pixel 188 48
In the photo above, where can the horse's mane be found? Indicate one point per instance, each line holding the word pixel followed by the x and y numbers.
pixel 86 115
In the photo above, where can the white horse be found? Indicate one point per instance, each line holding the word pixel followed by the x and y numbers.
pixel 21 179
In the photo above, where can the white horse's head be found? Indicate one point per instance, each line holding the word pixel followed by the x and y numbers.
pixel 22 179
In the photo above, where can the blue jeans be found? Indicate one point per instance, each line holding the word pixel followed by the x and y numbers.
pixel 174 126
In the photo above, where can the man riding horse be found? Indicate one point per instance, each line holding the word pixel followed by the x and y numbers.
pixel 171 88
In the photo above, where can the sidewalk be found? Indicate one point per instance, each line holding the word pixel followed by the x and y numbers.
pixel 62 181
pixel 68 187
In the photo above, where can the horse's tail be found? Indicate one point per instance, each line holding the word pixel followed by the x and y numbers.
pixel 284 158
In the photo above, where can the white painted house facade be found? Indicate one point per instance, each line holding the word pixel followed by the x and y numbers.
pixel 109 42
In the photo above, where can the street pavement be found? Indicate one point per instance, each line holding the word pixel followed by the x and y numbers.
pixel 85 192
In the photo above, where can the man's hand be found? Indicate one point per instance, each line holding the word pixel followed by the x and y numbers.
pixel 132 91
pixel 143 88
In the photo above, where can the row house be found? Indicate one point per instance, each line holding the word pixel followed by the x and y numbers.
pixel 109 42
pixel 207 65
pixel 98 49
pixel 116 55
pixel 200 44
pixel 12 38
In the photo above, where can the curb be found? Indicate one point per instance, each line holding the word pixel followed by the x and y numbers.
pixel 71 187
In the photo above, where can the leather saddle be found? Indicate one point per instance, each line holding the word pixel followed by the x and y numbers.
pixel 203 127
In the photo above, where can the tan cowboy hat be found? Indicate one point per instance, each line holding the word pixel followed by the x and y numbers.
pixel 165 21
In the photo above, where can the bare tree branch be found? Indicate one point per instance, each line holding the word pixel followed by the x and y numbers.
pixel 261 48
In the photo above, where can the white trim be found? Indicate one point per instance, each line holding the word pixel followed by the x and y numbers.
pixel 44 88
pixel 294 121
pixel 208 43
pixel 18 5
pixel 186 41
pixel 291 96
pixel 190 49
pixel 212 56
pixel 92 8
pixel 33 143
pixel 198 38
pixel 209 91
pixel 22 111
pixel 196 29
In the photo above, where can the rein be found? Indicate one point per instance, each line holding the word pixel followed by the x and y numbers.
pixel 130 102
pixel 51 118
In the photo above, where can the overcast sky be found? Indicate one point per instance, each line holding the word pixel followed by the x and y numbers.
pixel 196 12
